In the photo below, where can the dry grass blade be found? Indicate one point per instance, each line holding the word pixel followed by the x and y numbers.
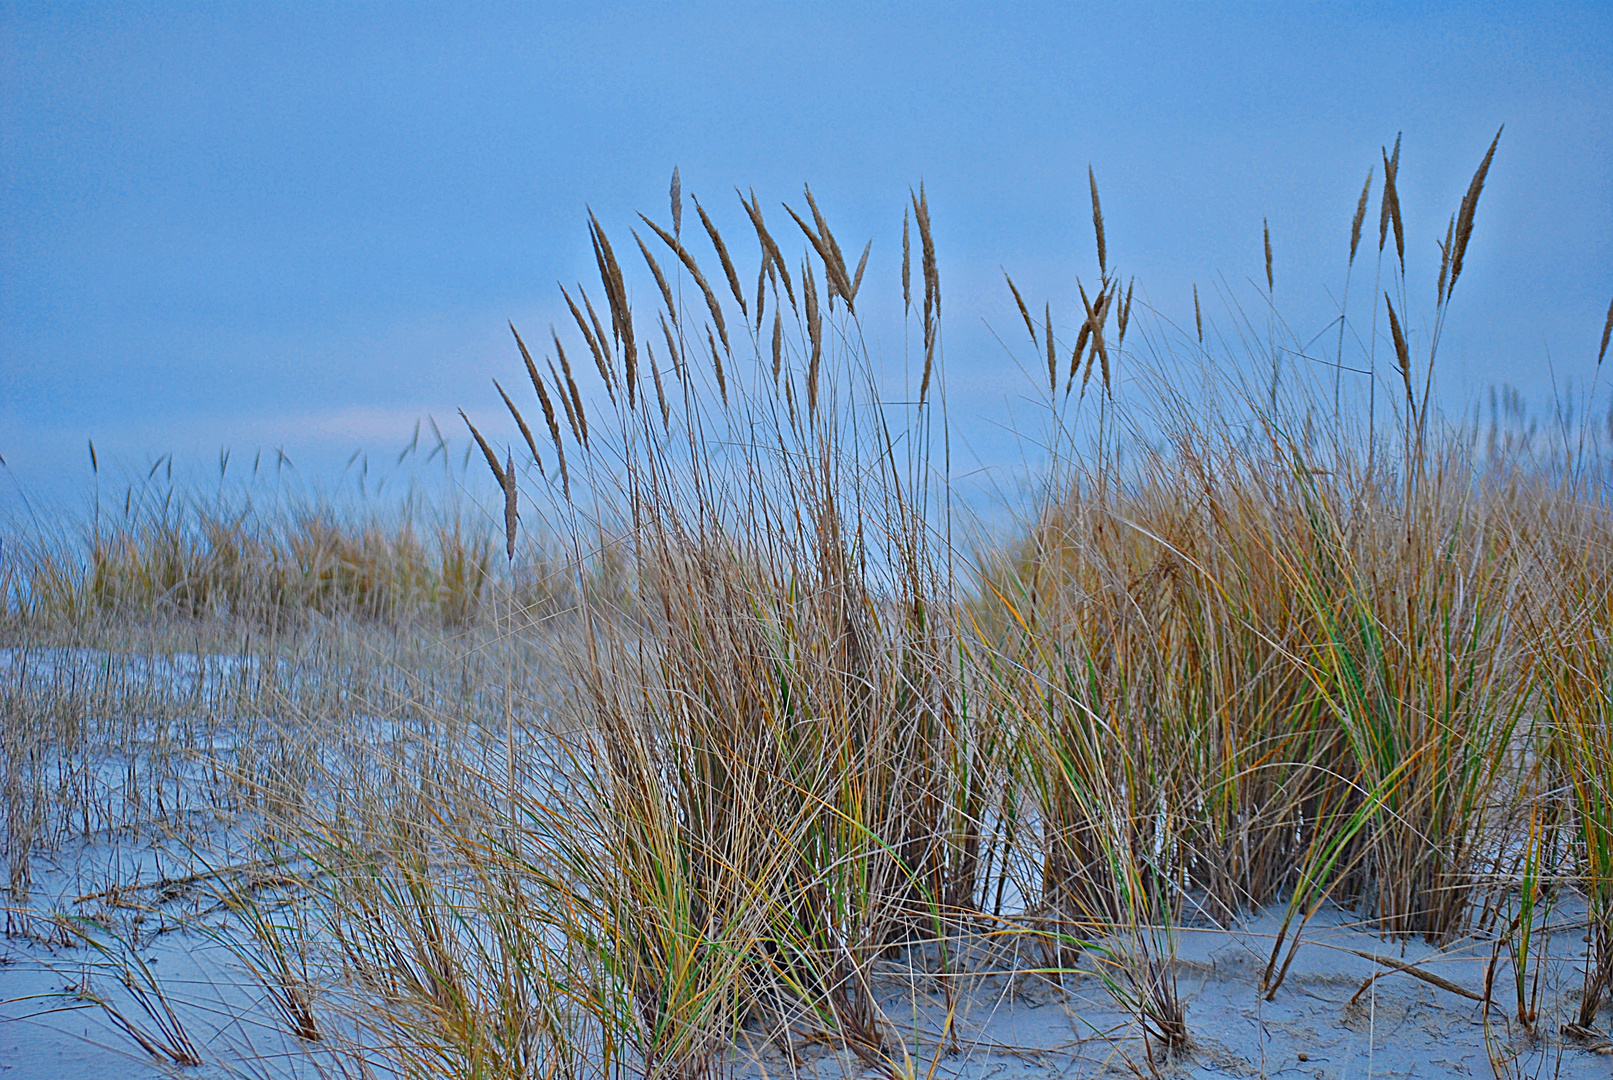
pixel 487 451
pixel 833 272
pixel 520 422
pixel 1607 331
pixel 1389 211
pixel 1024 312
pixel 1082 338
pixel 532 373
pixel 660 278
pixel 862 264
pixel 621 315
pixel 1402 353
pixel 765 238
pixel 1052 361
pixel 907 270
pixel 778 345
pixel 1097 224
pixel 932 276
pixel 1105 302
pixel 716 366
pixel 1089 329
pixel 660 391
pixel 1198 316
pixel 1388 192
pixel 761 287
pixel 722 254
pixel 1360 216
pixel 554 432
pixel 505 475
pixel 809 291
pixel 512 514
pixel 1470 204
pixel 672 348
pixel 580 425
pixel 609 357
pixel 694 271
pixel 593 345
pixel 844 278
pixel 1124 316
pixel 565 404
pixel 1444 261
pixel 932 288
pixel 1265 229
pixel 675 197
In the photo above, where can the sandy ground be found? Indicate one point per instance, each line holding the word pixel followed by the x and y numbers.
pixel 1007 1024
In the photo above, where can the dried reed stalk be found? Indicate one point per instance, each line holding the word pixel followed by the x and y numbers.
pixel 520 422
pixel 593 345
pixel 1265 229
pixel 699 278
pixel 580 421
pixel 675 198
pixel 1052 360
pixel 1402 355
pixel 660 279
pixel 1470 205
pixel 722 255
pixel 1360 216
pixel 765 238
pixel 1389 209
pixel 1097 224
pixel 1607 331
pixel 1024 312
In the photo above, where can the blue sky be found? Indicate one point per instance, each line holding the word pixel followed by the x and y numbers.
pixel 306 225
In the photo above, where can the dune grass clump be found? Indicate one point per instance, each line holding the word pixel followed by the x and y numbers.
pixel 799 746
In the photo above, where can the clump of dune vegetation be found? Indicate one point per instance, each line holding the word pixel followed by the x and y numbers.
pixel 732 729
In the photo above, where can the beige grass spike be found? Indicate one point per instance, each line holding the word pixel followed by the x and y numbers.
pixel 1360 216
pixel 1470 204
pixel 1607 331
pixel 722 255
pixel 1097 224
pixel 660 278
pixel 520 422
pixel 1024 312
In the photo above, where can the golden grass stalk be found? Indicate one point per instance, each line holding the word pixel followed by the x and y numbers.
pixel 1607 331
pixel 1265 229
pixel 601 362
pixel 610 274
pixel 660 279
pixel 722 255
pixel 1097 224
pixel 809 291
pixel 769 247
pixel 833 272
pixel 1444 261
pixel 520 422
pixel 1389 207
pixel 907 272
pixel 834 267
pixel 675 197
pixel 1024 312
pixel 694 271
pixel 554 429
pixel 1402 357
pixel 1360 216
pixel 1052 358
pixel 1470 205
